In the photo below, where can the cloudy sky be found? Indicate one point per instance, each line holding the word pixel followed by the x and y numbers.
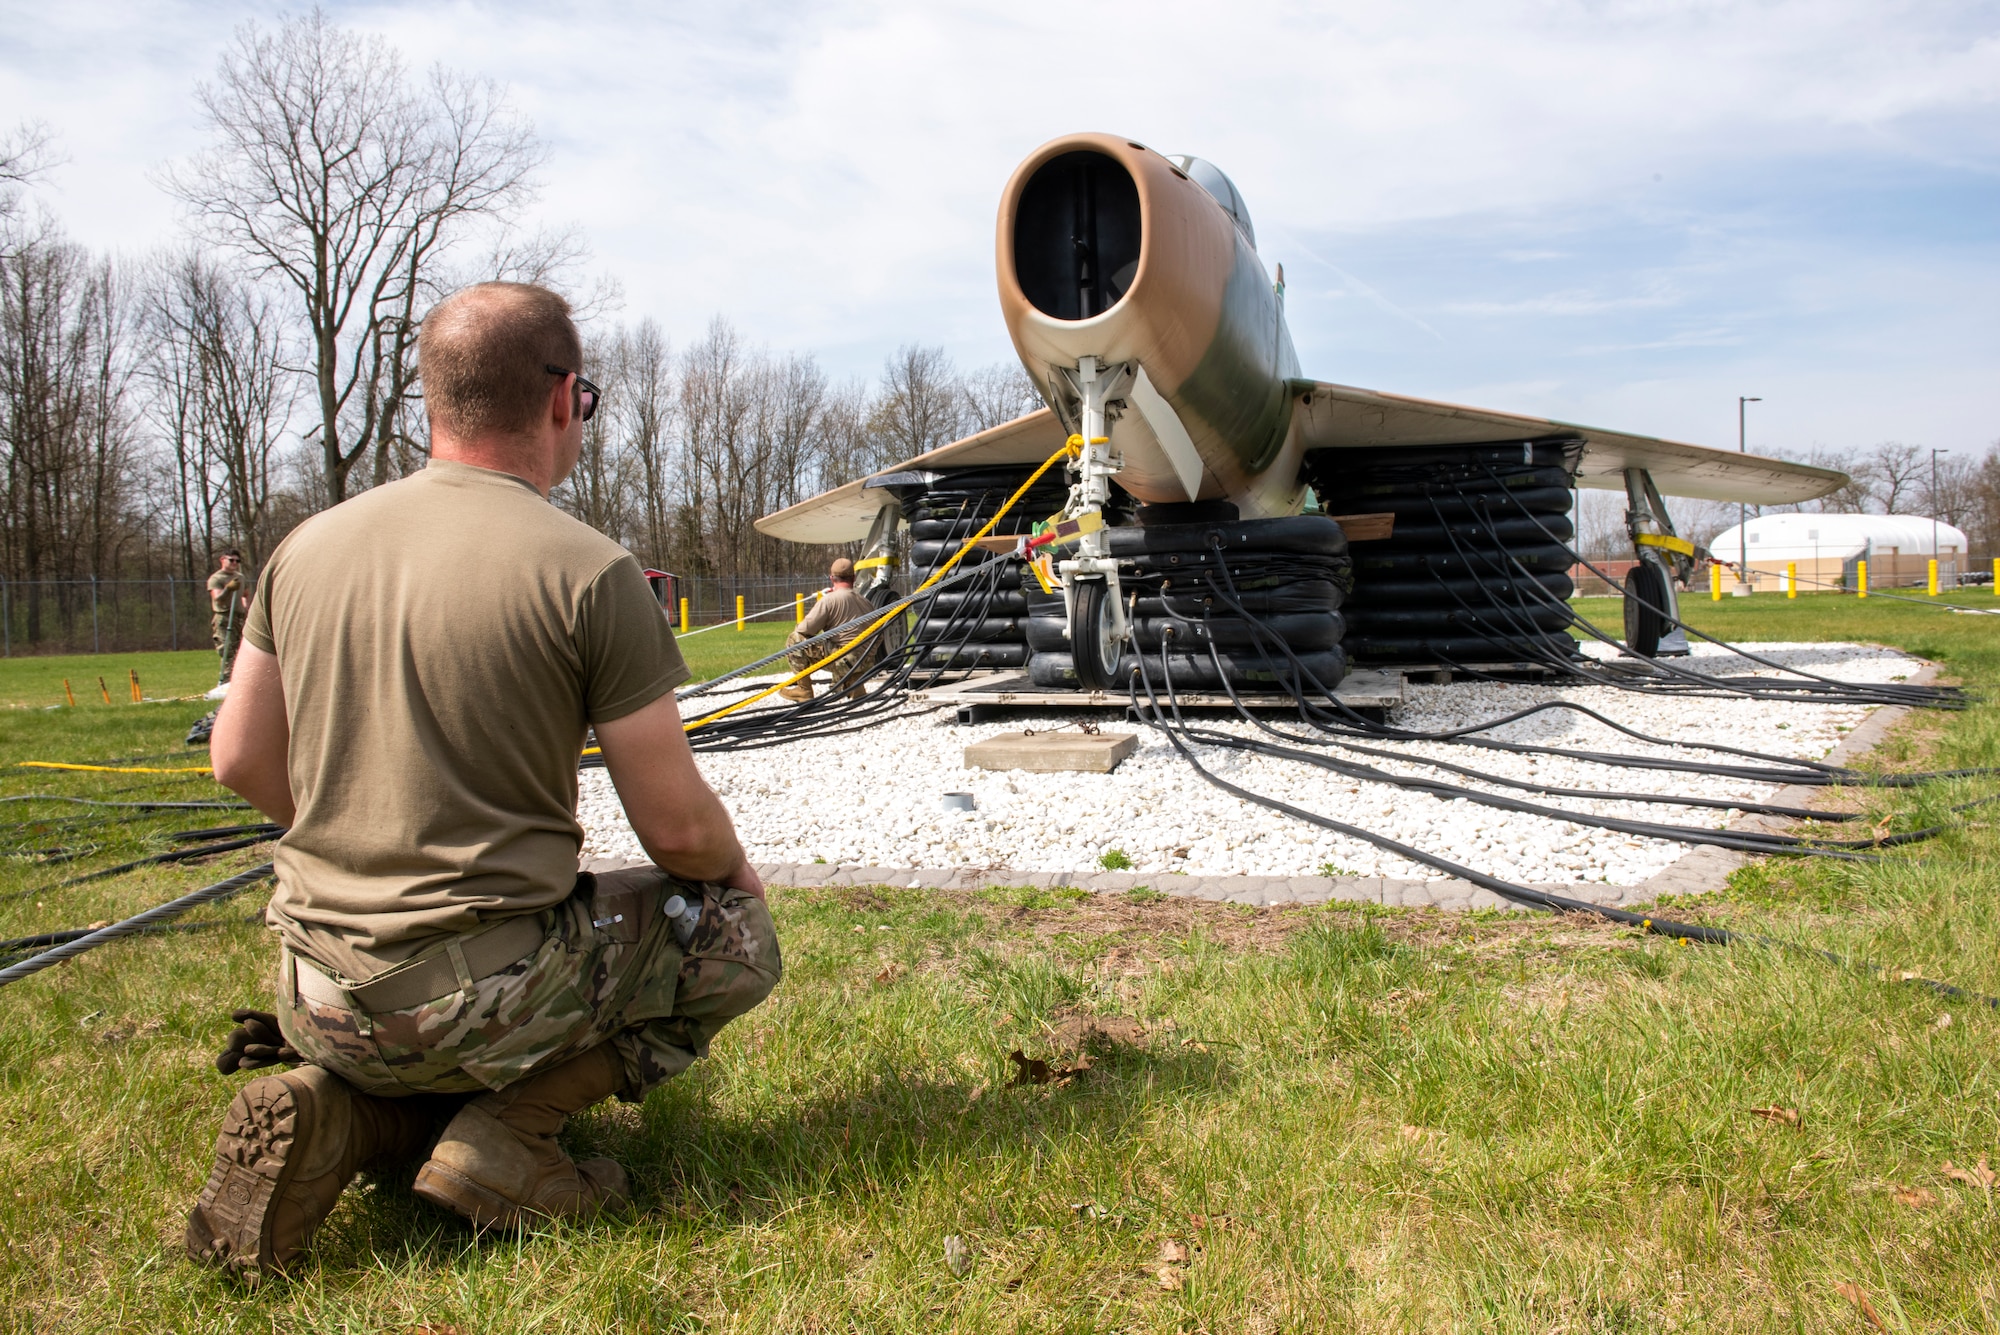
pixel 1622 212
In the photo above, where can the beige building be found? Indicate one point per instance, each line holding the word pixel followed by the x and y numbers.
pixel 1827 550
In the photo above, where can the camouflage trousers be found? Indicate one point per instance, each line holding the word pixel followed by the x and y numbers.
pixel 609 970
pixel 228 638
pixel 850 668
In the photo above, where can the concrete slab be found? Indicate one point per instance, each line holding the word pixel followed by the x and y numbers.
pixel 1053 752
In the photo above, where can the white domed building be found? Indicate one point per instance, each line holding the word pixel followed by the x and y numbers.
pixel 1828 548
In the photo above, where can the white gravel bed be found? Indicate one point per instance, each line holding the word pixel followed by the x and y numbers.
pixel 874 798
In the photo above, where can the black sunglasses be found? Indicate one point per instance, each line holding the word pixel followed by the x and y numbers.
pixel 587 394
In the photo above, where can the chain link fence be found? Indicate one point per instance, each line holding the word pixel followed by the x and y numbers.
pixel 104 616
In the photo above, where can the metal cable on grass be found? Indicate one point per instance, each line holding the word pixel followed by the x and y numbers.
pixel 139 922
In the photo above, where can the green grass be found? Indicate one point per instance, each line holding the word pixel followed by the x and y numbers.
pixel 1350 1120
pixel 38 682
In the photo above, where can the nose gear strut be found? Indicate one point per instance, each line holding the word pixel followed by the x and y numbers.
pixel 1098 630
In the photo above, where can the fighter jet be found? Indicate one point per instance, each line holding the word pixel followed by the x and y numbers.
pixel 1133 290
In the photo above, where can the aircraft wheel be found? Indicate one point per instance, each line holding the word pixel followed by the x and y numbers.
pixel 1645 609
pixel 1095 647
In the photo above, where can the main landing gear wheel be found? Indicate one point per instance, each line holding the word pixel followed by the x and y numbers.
pixel 1092 642
pixel 1645 609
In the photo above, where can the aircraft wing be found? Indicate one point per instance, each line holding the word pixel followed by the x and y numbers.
pixel 845 513
pixel 1333 417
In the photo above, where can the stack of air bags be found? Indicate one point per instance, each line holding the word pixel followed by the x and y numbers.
pixel 981 623
pixel 1257 614
pixel 1477 567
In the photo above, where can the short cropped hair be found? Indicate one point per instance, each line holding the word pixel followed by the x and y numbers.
pixel 842 571
pixel 483 356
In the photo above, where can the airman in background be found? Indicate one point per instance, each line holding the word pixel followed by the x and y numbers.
pixel 228 601
pixel 837 606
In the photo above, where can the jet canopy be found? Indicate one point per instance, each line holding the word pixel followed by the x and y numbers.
pixel 1212 179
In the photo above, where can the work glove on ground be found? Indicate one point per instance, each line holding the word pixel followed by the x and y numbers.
pixel 255 1043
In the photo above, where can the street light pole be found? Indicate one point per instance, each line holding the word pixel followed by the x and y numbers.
pixel 1743 510
pixel 1934 505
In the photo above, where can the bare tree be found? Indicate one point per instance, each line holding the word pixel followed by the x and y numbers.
pixel 333 174
pixel 1895 475
pixel 921 406
pixel 996 394
pixel 66 440
pixel 222 399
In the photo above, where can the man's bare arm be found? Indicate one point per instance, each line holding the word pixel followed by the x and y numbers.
pixel 681 823
pixel 252 740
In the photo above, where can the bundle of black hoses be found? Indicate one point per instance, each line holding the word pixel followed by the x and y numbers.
pixel 1426 593
pixel 1667 675
pixel 1171 725
pixel 977 628
pixel 1294 573
pixel 869 695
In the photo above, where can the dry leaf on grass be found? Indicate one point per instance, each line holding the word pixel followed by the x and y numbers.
pixel 1979 1175
pixel 1170 1278
pixel 1915 1197
pixel 890 973
pixel 1943 1021
pixel 431 1328
pixel 1789 1116
pixel 1853 1294
pixel 956 1256
pixel 1034 1071
pixel 1173 1253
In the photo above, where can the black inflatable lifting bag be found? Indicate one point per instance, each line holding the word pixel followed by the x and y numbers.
pixel 1477 566
pixel 1306 535
pixel 1468 649
pixel 1424 591
pixel 1402 622
pixel 1301 631
pixel 1425 533
pixel 1196 672
pixel 943 630
pixel 976 656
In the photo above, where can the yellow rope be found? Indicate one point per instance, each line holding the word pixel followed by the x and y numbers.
pixel 110 769
pixel 1071 446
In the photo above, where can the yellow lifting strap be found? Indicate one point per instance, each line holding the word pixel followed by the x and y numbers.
pixel 873 562
pixel 111 769
pixel 1666 541
pixel 887 617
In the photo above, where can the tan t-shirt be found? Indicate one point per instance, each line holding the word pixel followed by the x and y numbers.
pixel 444 640
pixel 835 609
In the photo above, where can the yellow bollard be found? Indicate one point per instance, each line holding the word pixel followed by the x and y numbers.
pixel 1996 577
pixel 1861 578
pixel 68 694
pixel 684 616
pixel 1791 579
pixel 798 608
pixel 739 611
pixel 104 690
pixel 1932 590
pixel 135 685
pixel 1715 583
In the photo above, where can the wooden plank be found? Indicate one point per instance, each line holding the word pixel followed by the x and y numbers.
pixel 1367 528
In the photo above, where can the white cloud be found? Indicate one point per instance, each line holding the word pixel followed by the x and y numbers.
pixel 827 175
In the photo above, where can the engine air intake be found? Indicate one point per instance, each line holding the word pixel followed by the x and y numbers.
pixel 1077 233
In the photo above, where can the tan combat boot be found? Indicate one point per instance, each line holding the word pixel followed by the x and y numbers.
pixel 798 691
pixel 498 1163
pixel 289 1144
